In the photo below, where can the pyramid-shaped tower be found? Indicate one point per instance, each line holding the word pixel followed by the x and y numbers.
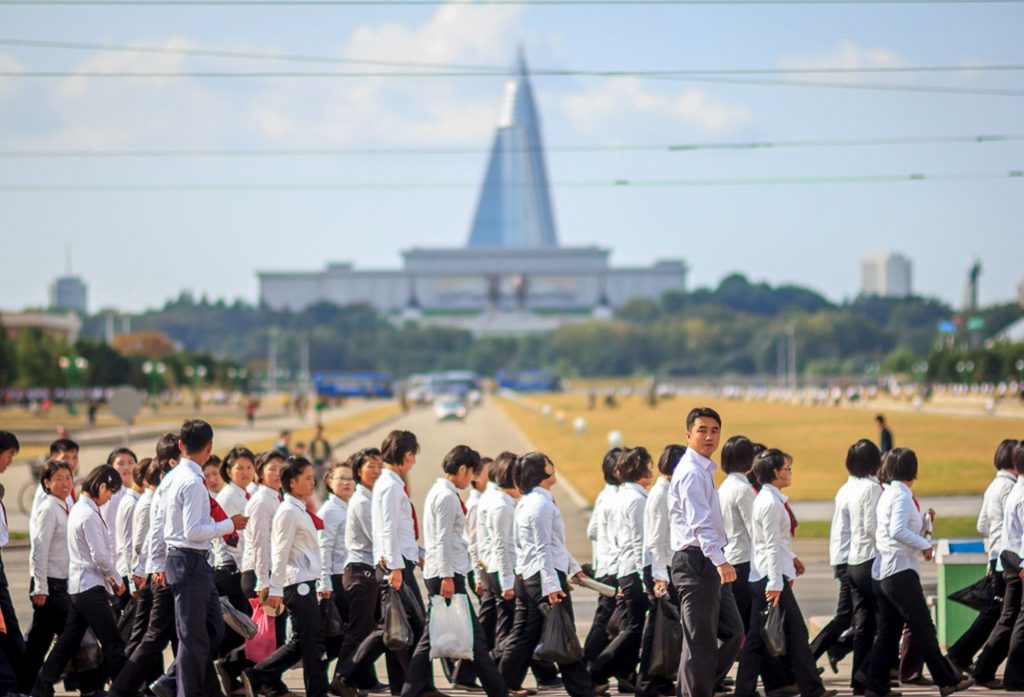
pixel 514 208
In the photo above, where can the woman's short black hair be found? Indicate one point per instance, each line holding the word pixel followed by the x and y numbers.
pixel 863 458
pixel 104 474
pixel 195 435
pixel 8 440
pixel 213 461
pixel 767 465
pixel 359 459
pixel 293 467
pixel 670 457
pixel 51 468
pixel 139 471
pixel 634 464
pixel 264 459
pixel 609 464
pixel 484 462
pixel 1018 457
pixel 699 413
pixel 397 445
pixel 503 470
pixel 901 464
pixel 531 470
pixel 120 451
pixel 236 453
pixel 1003 458
pixel 737 455
pixel 458 456
pixel 154 472
pixel 167 449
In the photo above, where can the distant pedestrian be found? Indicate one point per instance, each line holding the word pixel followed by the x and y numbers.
pixel 884 435
pixel 282 444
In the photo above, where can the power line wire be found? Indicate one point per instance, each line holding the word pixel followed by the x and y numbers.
pixel 475 3
pixel 436 185
pixel 457 151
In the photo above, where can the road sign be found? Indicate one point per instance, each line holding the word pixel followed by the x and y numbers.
pixel 125 403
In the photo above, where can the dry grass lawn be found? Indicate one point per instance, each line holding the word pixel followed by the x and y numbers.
pixel 955 452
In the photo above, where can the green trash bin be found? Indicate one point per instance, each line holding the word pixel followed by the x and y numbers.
pixel 960 563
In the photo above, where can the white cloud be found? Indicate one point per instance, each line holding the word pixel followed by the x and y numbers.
pixel 847 55
pixel 9 64
pixel 616 100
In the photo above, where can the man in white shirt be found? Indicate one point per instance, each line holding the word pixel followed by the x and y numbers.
pixel 601 532
pixel 189 530
pixel 12 642
pixel 445 566
pixel 700 571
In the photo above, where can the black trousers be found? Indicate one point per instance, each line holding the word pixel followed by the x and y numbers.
pixel 198 620
pixel 902 591
pixel 829 637
pixel 597 638
pixel 157 625
pixel 399 665
pixel 970 642
pixel 504 614
pixel 12 643
pixel 306 643
pixel 1013 676
pixel 797 650
pixel 89 610
pixel 712 627
pixel 865 616
pixel 545 672
pixel 526 631
pixel 483 664
pixel 489 599
pixel 775 672
pixel 997 646
pixel 47 623
pixel 646 686
pixel 622 653
pixel 359 582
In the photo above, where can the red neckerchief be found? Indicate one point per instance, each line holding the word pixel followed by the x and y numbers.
pixel 74 495
pixel 792 519
pixel 415 520
pixel 318 523
pixel 218 514
pixel 916 503
pixel 465 511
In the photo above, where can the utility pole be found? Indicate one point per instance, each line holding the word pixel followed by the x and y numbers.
pixel 791 334
pixel 780 360
pixel 272 360
pixel 305 365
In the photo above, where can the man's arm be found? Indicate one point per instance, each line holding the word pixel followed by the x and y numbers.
pixel 195 514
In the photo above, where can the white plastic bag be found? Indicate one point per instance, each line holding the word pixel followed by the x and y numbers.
pixel 451 628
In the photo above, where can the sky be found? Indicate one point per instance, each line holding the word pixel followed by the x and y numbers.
pixel 801 215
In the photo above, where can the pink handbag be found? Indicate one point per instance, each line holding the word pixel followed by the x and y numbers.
pixel 264 643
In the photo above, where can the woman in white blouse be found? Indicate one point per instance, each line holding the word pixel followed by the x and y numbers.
pixel 125 462
pixel 777 568
pixel 91 574
pixel 295 550
pixel 496 543
pixel 49 585
pixel 545 565
pixel 237 470
pixel 260 510
pixel 900 540
pixel 333 555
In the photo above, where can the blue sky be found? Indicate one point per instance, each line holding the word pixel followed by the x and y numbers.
pixel 137 249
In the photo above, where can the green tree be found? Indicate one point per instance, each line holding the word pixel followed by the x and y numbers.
pixel 7 358
pixel 37 357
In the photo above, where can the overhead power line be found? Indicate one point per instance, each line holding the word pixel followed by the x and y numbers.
pixel 457 151
pixel 435 185
pixel 433 3
pixel 495 69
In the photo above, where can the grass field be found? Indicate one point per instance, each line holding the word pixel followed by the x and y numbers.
pixel 955 452
pixel 944 527
pixel 334 429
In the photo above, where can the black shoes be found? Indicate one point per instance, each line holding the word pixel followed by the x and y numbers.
pixel 964 684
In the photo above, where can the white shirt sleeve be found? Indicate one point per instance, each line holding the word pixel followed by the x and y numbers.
pixel 767 519
pixel 897 523
pixel 503 518
pixel 43 529
pixel 542 532
pixel 391 506
pixel 195 515
pixel 282 538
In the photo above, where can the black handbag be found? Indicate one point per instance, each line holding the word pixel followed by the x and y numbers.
pixel 331 618
pixel 773 630
pixel 614 626
pixel 558 640
pixel 397 630
pixel 977 596
pixel 668 640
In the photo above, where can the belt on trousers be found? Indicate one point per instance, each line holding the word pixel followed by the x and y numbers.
pixel 188 550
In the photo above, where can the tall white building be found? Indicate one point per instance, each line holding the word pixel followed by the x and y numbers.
pixel 885 274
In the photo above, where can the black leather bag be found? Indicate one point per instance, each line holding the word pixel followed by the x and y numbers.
pixel 397 630
pixel 773 631
pixel 668 639
pixel 330 618
pixel 977 596
pixel 558 640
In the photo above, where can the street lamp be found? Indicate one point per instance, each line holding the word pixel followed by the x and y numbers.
pixel 153 370
pixel 75 367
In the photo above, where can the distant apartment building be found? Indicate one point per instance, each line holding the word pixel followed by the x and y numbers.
pixel 885 274
pixel 68 293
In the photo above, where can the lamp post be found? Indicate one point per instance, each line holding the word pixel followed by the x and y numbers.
pixel 75 367
pixel 196 373
pixel 153 370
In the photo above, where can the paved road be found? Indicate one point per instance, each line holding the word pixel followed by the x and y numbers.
pixel 490 432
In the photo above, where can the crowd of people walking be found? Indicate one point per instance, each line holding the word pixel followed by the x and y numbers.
pixel 171 549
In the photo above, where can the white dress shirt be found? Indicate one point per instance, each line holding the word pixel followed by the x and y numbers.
pixel 540 541
pixel 862 503
pixel 295 556
pixel 472 502
pixel 232 499
pixel 601 531
pixel 187 520
pixel 773 538
pixel 899 535
pixel 657 548
pixel 38 497
pixel 359 527
pixel 629 529
pixel 736 497
pixel 446 551
pixel 49 544
pixel 990 519
pixel 394 541
pixel 1013 520
pixel 109 512
pixel 155 557
pixel 495 534
pixel 839 531
pixel 695 515
pixel 256 549
pixel 333 555
pixel 124 528
pixel 140 533
pixel 90 553
pixel 5 535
